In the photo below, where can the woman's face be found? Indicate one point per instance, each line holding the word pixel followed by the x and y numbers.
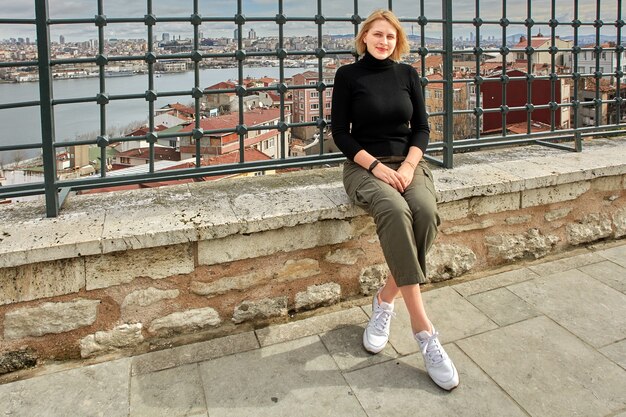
pixel 380 39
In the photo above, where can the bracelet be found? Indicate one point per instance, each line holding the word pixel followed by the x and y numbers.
pixel 373 165
pixel 410 163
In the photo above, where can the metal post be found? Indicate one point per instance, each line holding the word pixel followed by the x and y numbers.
pixel 448 76
pixel 47 112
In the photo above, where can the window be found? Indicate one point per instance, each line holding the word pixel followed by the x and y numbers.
pixel 270 143
pixel 329 93
pixel 521 55
pixel 312 82
pixel 581 70
pixel 314 118
pixel 472 89
pixel 603 55
pixel 315 106
pixel 314 94
pixel 601 69
pixel 327 105
pixel 438 94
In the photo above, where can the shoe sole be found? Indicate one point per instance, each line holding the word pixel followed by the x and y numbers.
pixel 370 348
pixel 448 389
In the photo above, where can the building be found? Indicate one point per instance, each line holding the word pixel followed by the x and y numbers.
pixel 540 42
pixel 608 111
pixel 607 59
pixel 141 156
pixel 306 102
pixel 464 124
pixel 267 141
pixel 491 98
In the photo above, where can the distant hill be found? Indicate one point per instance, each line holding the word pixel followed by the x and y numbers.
pixel 415 38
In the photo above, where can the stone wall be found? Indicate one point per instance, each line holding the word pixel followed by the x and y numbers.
pixel 146 269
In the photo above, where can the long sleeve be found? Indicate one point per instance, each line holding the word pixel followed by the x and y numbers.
pixel 420 132
pixel 340 116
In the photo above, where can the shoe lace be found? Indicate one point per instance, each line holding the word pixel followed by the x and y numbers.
pixel 432 350
pixel 381 319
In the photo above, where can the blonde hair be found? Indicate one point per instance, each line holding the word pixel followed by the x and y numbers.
pixel 402 42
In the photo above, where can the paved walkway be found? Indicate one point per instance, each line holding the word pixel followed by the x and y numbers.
pixel 548 339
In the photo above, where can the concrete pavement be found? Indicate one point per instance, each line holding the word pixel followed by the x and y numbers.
pixel 545 339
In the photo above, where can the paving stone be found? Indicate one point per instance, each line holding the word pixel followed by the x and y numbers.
pixel 346 347
pixel 310 326
pixel 591 310
pixel 287 379
pixel 96 390
pixel 452 315
pixel 402 388
pixel 494 281
pixel 616 254
pixel 609 273
pixel 502 306
pixel 570 262
pixel 547 370
pixel 172 392
pixel 196 352
pixel 616 352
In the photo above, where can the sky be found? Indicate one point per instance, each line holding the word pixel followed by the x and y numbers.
pixel 462 10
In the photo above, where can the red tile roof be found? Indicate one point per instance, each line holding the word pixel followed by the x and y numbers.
pixel 160 153
pixel 222 85
pixel 251 118
pixel 182 108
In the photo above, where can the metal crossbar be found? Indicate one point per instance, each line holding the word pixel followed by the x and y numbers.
pixel 440 151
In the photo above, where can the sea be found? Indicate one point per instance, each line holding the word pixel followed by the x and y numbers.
pixel 23 125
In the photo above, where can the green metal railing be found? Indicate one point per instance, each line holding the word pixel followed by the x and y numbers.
pixel 55 189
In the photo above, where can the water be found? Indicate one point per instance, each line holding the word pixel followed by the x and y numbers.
pixel 23 125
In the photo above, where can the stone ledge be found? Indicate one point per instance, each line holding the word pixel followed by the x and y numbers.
pixel 104 223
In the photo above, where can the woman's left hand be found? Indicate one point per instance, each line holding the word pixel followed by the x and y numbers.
pixel 406 172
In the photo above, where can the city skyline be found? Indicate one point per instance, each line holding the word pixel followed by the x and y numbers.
pixel 463 10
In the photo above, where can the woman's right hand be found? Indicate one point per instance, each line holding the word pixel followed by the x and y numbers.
pixel 389 176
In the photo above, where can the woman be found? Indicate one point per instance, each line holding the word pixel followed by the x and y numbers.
pixel 379 122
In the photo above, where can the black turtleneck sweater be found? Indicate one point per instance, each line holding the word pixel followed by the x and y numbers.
pixel 383 102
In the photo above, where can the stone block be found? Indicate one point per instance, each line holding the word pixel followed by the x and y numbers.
pixel 592 227
pixel 619 220
pixel 295 269
pixel 453 210
pixel 147 297
pixel 318 295
pixel 226 284
pixel 25 283
pixel 530 244
pixel 604 184
pixel 123 267
pixel 260 309
pixel 518 219
pixel 186 321
pixel 372 278
pixel 483 224
pixel 494 203
pixel 446 261
pixel 305 236
pixel 50 318
pixel 344 256
pixel 124 336
pixel 554 194
pixel 17 360
pixel 557 214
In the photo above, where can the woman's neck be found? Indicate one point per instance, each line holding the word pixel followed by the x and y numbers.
pixel 372 62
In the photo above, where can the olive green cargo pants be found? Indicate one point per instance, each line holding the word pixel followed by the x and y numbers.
pixel 406 223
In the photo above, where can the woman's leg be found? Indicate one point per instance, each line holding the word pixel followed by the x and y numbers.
pixel 412 297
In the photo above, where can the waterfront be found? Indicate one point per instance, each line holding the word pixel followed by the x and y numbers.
pixel 22 125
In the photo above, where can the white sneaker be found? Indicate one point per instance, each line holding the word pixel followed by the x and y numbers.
pixel 376 333
pixel 438 364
